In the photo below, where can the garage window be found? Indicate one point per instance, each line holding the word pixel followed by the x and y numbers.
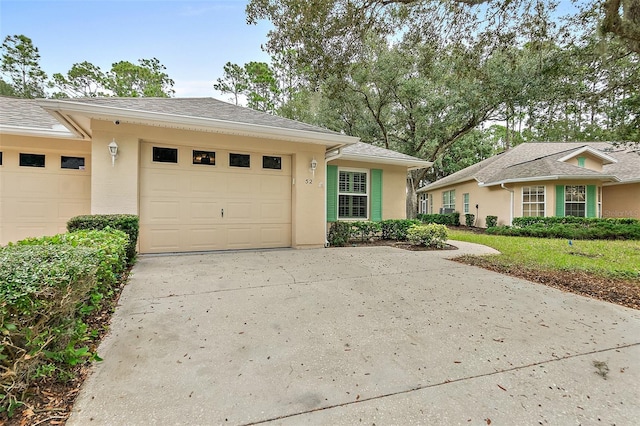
pixel 31 160
pixel 75 163
pixel 239 160
pixel 165 155
pixel 274 163
pixel 0 158
pixel 204 157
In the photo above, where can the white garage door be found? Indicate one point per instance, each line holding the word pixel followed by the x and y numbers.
pixel 194 199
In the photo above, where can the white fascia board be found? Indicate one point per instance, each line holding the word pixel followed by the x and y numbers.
pixel 606 158
pixel 621 182
pixel 556 177
pixel 37 131
pixel 413 164
pixel 194 123
pixel 433 186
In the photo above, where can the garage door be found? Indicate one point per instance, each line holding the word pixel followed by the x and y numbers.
pixel 194 199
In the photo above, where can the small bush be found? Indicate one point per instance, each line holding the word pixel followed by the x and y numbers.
pixel 396 229
pixel 365 230
pixel 491 221
pixel 339 234
pixel 603 230
pixel 469 219
pixel 430 235
pixel 450 219
pixel 48 286
pixel 128 223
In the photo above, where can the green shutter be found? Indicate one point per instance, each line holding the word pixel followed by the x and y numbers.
pixel 560 200
pixel 591 201
pixel 332 193
pixel 581 161
pixel 376 195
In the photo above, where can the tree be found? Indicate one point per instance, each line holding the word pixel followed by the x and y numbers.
pixel 148 79
pixel 262 91
pixel 21 64
pixel 234 81
pixel 82 80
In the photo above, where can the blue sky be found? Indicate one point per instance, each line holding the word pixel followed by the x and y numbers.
pixel 193 39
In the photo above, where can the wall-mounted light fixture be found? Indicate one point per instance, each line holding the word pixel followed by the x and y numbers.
pixel 314 166
pixel 113 150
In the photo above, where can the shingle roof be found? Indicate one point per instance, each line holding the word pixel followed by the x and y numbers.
pixel 368 150
pixel 534 160
pixel 17 112
pixel 202 108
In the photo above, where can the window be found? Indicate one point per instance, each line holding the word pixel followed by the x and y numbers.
pixel 533 201
pixel 599 201
pixel 449 199
pixel 575 200
pixel 165 155
pixel 0 158
pixel 239 160
pixel 465 203
pixel 581 161
pixel 75 163
pixel 422 206
pixel 353 196
pixel 430 204
pixel 274 163
pixel 204 157
pixel 31 160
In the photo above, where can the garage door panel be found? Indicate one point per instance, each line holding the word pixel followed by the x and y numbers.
pixel 181 205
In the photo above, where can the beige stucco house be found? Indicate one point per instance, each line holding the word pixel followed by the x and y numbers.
pixel 201 174
pixel 542 179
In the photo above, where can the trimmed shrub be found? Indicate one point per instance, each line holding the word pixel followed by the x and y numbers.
pixel 396 229
pixel 491 221
pixel 602 230
pixel 365 230
pixel 47 287
pixel 128 223
pixel 339 234
pixel 469 219
pixel 522 222
pixel 430 235
pixel 451 219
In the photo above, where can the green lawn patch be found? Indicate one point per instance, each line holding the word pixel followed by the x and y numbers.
pixel 606 258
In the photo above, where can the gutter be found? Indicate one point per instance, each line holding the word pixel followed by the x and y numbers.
pixel 510 204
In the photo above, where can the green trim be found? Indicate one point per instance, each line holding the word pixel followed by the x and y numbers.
pixel 560 200
pixel 591 201
pixel 376 195
pixel 332 193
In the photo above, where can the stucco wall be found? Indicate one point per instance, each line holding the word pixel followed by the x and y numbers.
pixel 394 189
pixel 36 201
pixel 621 200
pixel 115 189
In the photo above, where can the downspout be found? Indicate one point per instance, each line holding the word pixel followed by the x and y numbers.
pixel 510 204
pixel 328 157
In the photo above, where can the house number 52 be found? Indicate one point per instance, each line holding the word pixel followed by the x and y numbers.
pixel 308 181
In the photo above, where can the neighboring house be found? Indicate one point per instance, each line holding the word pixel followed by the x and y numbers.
pixel 542 179
pixel 201 174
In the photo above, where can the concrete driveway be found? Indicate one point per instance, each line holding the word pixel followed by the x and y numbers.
pixel 373 335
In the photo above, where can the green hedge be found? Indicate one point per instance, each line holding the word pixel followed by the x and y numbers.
pixel 582 229
pixel 586 221
pixel 430 235
pixel 451 219
pixel 396 229
pixel 128 223
pixel 341 233
pixel 47 288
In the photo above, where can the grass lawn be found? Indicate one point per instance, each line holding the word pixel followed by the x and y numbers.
pixel 611 259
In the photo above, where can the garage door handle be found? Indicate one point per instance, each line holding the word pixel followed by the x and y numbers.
pixel 222 212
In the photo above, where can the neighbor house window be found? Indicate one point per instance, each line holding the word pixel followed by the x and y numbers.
pixel 599 201
pixel 449 199
pixel 204 157
pixel 575 200
pixel 422 207
pixel 31 160
pixel 74 163
pixel 270 162
pixel 165 155
pixel 353 195
pixel 239 160
pixel 533 200
pixel 465 203
pixel 581 161
pixel 430 203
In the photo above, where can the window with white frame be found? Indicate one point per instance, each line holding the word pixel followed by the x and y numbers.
pixel 422 205
pixel 533 200
pixel 353 194
pixel 430 204
pixel 575 200
pixel 465 203
pixel 599 201
pixel 449 199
